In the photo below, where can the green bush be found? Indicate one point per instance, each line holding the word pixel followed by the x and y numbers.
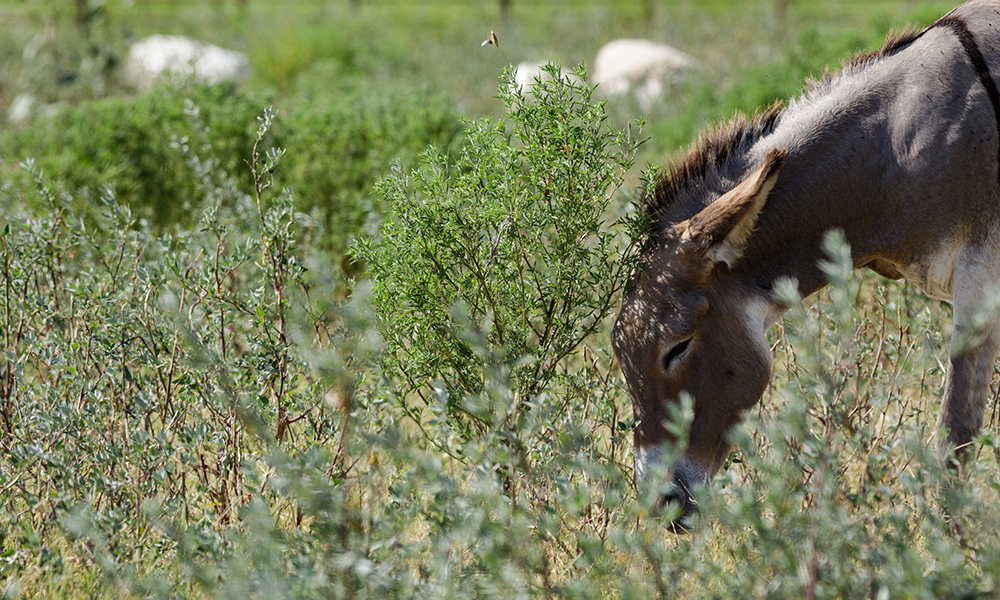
pixel 511 238
pixel 135 144
pixel 340 149
pixel 130 143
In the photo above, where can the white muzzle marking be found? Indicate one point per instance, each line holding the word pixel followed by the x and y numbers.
pixel 647 458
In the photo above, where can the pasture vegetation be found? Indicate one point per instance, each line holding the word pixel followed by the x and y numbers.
pixel 202 395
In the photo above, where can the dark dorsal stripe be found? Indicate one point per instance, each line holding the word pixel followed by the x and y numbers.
pixel 982 70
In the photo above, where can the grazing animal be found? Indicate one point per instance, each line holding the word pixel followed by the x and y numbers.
pixel 901 151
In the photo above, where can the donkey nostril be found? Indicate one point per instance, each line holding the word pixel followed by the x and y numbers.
pixel 677 504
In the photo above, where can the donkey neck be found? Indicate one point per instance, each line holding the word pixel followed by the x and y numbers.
pixel 834 177
pixel 901 153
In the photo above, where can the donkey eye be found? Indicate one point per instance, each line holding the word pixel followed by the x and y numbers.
pixel 675 354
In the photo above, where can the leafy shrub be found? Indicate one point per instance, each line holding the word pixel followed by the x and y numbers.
pixel 128 141
pixel 341 148
pixel 104 381
pixel 511 238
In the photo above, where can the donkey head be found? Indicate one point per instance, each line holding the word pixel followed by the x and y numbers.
pixel 689 325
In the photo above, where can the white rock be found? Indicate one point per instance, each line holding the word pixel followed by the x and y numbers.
pixel 177 56
pixel 639 66
pixel 528 71
pixel 20 109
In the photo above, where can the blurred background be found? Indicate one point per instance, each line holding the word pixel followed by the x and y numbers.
pixel 360 83
pixel 75 50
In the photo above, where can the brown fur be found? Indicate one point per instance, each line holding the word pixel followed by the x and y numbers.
pixel 721 218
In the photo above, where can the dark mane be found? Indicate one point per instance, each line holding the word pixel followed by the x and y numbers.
pixel 713 148
pixel 716 146
pixel 894 42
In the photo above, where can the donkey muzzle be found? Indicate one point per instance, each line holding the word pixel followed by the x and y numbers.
pixel 678 496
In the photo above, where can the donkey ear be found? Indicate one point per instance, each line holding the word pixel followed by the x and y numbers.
pixel 721 230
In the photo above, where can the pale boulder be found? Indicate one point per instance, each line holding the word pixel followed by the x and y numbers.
pixel 528 71
pixel 20 109
pixel 640 67
pixel 179 57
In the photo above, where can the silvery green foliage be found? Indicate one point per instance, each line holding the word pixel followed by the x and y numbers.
pixel 195 416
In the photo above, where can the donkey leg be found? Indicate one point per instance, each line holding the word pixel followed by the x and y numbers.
pixel 965 393
pixel 974 346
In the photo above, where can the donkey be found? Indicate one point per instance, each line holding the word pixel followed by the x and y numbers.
pixel 901 151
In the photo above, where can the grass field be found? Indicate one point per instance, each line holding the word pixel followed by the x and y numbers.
pixel 197 397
